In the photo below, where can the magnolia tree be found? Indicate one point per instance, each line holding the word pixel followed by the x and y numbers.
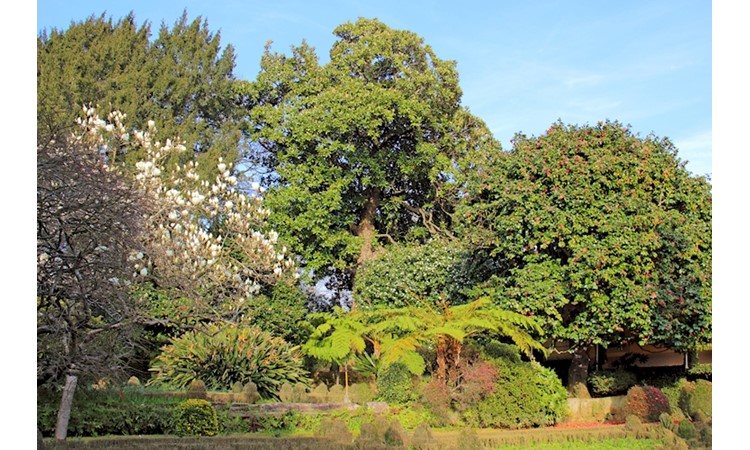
pixel 207 243
pixel 204 246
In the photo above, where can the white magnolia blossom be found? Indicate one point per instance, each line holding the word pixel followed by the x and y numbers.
pixel 180 247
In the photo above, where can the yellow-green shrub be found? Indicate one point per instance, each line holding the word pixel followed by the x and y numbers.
pixel 196 417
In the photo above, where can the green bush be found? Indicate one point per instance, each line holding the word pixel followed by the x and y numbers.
pixel 223 356
pixel 525 395
pixel 429 272
pixel 395 384
pixel 500 350
pixel 696 400
pixel 611 382
pixel 687 430
pixel 701 372
pixel 646 402
pixel 673 392
pixel 196 417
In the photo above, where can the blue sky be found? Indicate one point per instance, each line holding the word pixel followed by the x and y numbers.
pixel 523 65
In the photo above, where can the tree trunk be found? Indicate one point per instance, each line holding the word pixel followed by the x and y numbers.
pixel 442 369
pixel 66 404
pixel 366 227
pixel 579 373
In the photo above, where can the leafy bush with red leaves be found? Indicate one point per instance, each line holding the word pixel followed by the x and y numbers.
pixel 478 381
pixel 647 403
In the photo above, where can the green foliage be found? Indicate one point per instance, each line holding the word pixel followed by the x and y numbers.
pixel 404 330
pixel 700 371
pixel 222 356
pixel 666 420
pixel 182 80
pixel 674 391
pixel 360 146
pixel 195 417
pixel 108 412
pixel 696 399
pixel 412 274
pixel 436 396
pixel 686 430
pixel 281 312
pixel 544 398
pixel 646 402
pixel 500 350
pixel 611 382
pixel 597 232
pixel 395 384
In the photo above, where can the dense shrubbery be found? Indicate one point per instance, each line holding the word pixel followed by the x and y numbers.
pixel 395 384
pixel 410 273
pixel 221 357
pixel 525 395
pixel 646 402
pixel 195 417
pixel 612 382
pixel 696 400
pixel 104 412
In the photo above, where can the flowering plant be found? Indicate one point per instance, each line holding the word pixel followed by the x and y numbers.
pixel 205 241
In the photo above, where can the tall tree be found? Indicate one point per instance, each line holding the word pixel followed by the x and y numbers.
pixel 603 235
pixel 359 151
pixel 182 80
pixel 94 60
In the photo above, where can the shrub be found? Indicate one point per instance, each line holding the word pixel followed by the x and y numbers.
pixel 422 439
pixel 197 389
pixel 611 382
pixel 666 420
pixel 646 402
pixel 436 396
pixel 673 392
pixel 700 372
pixel 224 356
pixel 525 395
pixel 686 430
pixel 395 436
pixel 361 393
pixel 196 417
pixel 477 382
pixel 250 392
pixel 395 384
pixel 696 400
pixel 429 271
pixel 500 350
pixel 108 412
pixel 335 430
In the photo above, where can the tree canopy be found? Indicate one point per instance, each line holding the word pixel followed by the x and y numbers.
pixel 182 80
pixel 600 233
pixel 359 150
